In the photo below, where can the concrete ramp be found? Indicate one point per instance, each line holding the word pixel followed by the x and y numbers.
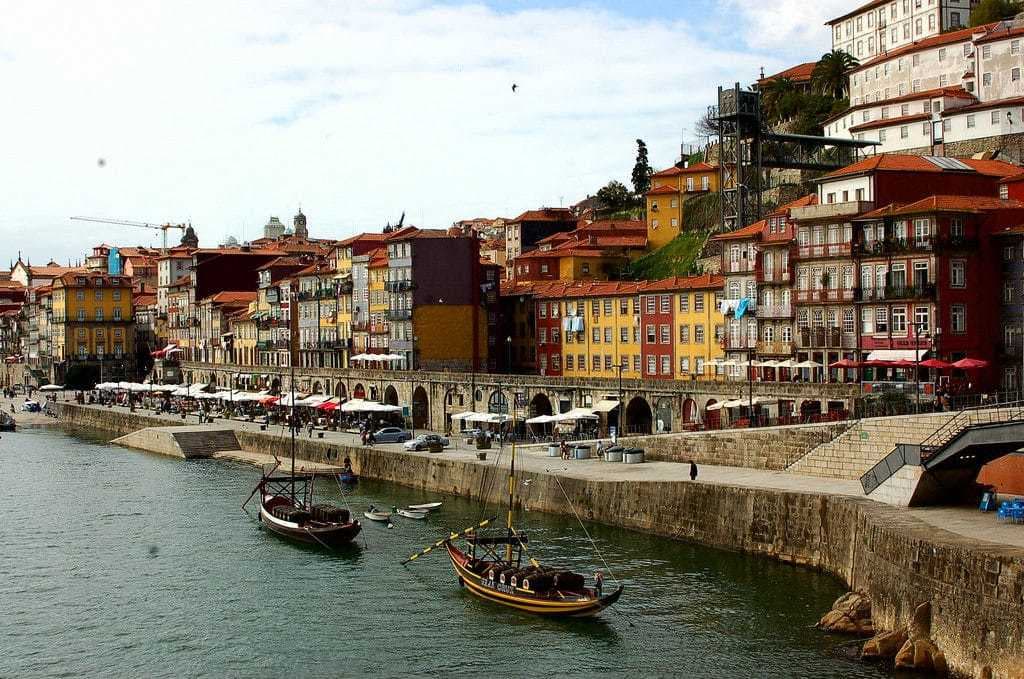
pixel 185 442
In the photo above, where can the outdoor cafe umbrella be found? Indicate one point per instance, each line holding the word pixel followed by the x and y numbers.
pixel 970 364
pixel 936 363
pixel 845 363
pixel 51 387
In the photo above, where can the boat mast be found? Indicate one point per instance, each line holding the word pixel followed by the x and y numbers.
pixel 291 362
pixel 511 487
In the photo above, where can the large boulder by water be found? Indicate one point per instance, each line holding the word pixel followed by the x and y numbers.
pixel 850 614
pixel 922 655
pixel 884 646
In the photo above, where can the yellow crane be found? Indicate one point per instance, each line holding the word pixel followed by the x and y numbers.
pixel 143 225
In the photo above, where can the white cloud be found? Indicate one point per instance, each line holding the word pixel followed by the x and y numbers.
pixel 225 113
pixel 794 28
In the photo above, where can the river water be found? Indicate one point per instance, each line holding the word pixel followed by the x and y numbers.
pixel 117 563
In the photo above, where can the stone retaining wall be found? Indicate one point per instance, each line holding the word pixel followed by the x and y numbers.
pixel 976 588
pixel 768 448
pixel 114 421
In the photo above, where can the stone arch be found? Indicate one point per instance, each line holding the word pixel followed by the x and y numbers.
pixel 374 393
pixel 689 411
pixel 497 402
pixel 317 388
pixel 663 415
pixel 540 404
pixel 213 379
pixel 639 417
pixel 420 408
pixel 359 391
pixel 339 389
pixel 390 396
pixel 712 418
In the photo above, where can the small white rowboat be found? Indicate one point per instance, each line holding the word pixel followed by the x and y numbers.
pixel 378 516
pixel 428 507
pixel 412 514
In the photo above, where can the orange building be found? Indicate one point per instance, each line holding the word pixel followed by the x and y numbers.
pixel 670 189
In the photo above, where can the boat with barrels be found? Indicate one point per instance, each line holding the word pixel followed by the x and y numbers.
pixel 288 509
pixel 492 568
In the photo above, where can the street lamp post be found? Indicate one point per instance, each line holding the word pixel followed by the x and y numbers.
pixel 917 363
pixel 622 408
pixel 750 385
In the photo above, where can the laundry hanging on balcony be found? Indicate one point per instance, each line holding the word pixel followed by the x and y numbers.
pixel 741 307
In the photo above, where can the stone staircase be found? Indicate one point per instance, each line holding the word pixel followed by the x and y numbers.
pixel 861 447
pixel 206 442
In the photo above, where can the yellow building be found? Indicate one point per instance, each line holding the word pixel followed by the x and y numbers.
pixel 698 324
pixel 342 257
pixel 377 276
pixel 245 336
pixel 93 325
pixel 609 336
pixel 670 189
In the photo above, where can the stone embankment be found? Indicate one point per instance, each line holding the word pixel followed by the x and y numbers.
pixel 975 589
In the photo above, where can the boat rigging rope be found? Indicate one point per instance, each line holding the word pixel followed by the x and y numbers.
pixel 344 498
pixel 585 531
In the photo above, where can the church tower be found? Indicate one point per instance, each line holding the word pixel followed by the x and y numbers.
pixel 299 223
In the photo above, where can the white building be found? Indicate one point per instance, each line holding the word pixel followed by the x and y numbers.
pixel 882 25
pixel 169 268
pixel 952 94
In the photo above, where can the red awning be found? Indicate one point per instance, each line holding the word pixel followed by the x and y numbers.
pixel 936 363
pixel 269 400
pixel 328 406
pixel 970 364
pixel 845 363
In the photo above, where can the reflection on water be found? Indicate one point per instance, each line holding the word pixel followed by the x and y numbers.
pixel 119 563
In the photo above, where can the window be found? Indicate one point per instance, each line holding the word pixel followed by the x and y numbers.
pixel 995 117
pixel 684 365
pixel 698 334
pixel 698 301
pixel 117 295
pixel 1015 74
pixel 705 182
pixel 666 334
pixel 1007 292
pixel 881 135
pixel 585 268
pixel 651 335
pixel 916 60
pixel 99 314
pixel 568 361
pixel 956 227
pixel 958 273
pixel 595 335
pixel 595 362
pixel 848 322
pixel 942 54
pixel 904 131
pixel 1004 191
pixel 881 319
pixel 986 79
pixel 684 334
pixel 986 52
pixel 542 310
pixel 899 319
pixel 958 318
pixel 652 365
pixel 967 49
pixel 922 232
pixel 623 306
pixel 581 362
pixel 117 313
pixel 1015 47
pixel 684 303
pixel 607 362
pixel 866 326
pixel 636 363
pixel 650 304
pixel 666 365
pixel 666 304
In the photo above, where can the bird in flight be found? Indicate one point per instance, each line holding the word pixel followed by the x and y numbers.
pixel 514 87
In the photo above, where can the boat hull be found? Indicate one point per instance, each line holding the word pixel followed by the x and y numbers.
pixel 329 536
pixel 560 606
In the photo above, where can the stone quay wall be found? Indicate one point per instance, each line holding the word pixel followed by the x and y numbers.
pixel 114 421
pixel 976 588
pixel 766 448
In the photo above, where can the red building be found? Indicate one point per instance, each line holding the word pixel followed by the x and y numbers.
pixel 656 320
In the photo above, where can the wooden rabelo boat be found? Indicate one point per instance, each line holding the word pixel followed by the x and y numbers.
pixel 287 507
pixel 491 568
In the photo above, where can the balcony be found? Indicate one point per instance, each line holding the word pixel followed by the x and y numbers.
pixel 825 295
pixel 775 276
pixel 825 250
pixel 775 311
pixel 361 326
pixel 775 348
pixel 891 246
pixel 831 210
pixel 399 314
pixel 825 338
pixel 737 343
pixel 399 286
pixel 378 328
pixel 897 292
pixel 745 265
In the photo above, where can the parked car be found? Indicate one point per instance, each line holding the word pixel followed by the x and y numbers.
pixel 471 433
pixel 423 441
pixel 391 435
pixel 31 407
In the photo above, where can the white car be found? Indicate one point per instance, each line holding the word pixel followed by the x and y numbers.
pixel 423 441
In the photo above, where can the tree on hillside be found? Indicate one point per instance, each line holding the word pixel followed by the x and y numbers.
pixel 641 170
pixel 615 197
pixel 706 126
pixel 829 76
pixel 987 11
pixel 779 99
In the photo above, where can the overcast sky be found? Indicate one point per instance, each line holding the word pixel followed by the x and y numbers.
pixel 225 113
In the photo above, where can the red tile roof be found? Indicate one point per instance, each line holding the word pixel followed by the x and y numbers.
pixel 906 163
pixel 702 282
pixel 889 122
pixel 862 8
pixel 1013 179
pixel 983 106
pixel 546 214
pixel 663 191
pixel 799 73
pixel 368 237
pixel 1001 31
pixel 676 171
pixel 751 231
pixel 946 203
pixel 231 297
pixel 143 300
pixel 803 201
pixel 961 35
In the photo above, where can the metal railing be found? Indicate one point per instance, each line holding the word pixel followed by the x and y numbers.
pixel 900 456
pixel 970 417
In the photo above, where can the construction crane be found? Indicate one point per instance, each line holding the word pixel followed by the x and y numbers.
pixel 143 225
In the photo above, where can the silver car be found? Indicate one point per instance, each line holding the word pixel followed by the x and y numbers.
pixel 423 441
pixel 391 435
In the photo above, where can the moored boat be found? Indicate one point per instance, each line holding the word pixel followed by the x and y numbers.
pixel 285 513
pixel 412 514
pixel 373 515
pixel 6 422
pixel 426 507
pixel 492 569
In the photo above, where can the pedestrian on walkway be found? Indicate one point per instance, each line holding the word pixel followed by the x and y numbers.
pixel 693 470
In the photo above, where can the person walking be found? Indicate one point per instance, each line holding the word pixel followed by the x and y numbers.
pixel 693 470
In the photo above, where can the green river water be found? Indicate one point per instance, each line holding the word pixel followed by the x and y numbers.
pixel 115 563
